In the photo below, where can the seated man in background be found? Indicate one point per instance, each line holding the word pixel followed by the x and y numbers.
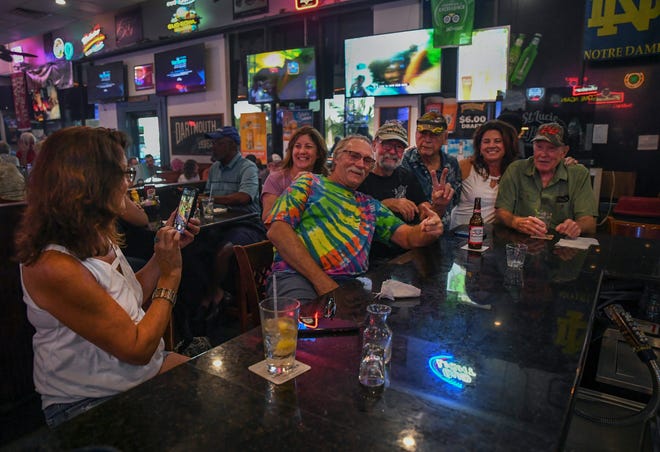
pixel 323 228
pixel 233 182
pixel 543 183
pixel 5 154
pixel 394 186
pixel 147 169
pixel 12 183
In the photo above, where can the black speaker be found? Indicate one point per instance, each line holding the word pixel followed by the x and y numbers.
pixel 73 104
pixel 6 98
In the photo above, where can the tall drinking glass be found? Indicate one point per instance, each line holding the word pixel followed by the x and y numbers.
pixel 279 327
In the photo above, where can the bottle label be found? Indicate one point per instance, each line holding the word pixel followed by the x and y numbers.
pixel 476 235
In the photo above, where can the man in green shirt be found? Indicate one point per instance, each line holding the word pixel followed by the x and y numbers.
pixel 542 183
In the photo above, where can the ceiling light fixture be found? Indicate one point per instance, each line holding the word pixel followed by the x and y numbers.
pixel 60 2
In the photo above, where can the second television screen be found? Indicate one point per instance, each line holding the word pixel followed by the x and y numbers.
pixel 282 75
pixel 180 71
pixel 392 64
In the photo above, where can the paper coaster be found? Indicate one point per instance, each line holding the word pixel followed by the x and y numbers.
pixel 483 248
pixel 262 370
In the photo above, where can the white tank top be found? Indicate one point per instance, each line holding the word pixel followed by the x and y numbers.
pixel 474 186
pixel 67 367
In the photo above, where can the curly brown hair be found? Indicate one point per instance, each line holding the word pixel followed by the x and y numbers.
pixel 510 139
pixel 321 150
pixel 72 194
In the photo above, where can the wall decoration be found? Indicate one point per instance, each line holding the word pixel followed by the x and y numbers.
pixel 243 8
pixel 401 114
pixel 184 18
pixel 187 133
pixel 128 27
pixel 143 76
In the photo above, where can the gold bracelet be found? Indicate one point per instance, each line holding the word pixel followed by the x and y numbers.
pixel 167 294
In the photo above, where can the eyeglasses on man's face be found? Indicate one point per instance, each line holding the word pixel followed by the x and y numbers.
pixel 390 145
pixel 355 157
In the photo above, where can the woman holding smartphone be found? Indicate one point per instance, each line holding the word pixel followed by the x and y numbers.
pixel 93 338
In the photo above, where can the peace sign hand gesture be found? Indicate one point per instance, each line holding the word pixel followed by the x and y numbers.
pixel 442 192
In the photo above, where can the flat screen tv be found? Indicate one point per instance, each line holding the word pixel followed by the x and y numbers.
pixel 392 64
pixel 180 71
pixel 482 66
pixel 282 75
pixel 106 83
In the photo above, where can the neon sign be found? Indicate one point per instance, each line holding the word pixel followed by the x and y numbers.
pixel 584 90
pixel 185 18
pixel 17 58
pixel 445 368
pixel 94 41
pixel 609 97
pixel 306 4
pixel 58 48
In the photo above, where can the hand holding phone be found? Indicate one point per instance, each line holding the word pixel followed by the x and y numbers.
pixel 186 209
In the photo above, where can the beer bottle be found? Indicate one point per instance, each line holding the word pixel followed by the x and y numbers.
pixel 525 62
pixel 476 227
pixel 514 53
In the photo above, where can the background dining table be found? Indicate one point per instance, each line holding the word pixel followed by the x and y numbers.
pixel 490 364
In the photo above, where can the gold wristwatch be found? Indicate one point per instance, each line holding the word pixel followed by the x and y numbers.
pixel 167 294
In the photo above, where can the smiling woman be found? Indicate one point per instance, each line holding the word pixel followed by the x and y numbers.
pixel 495 145
pixel 306 151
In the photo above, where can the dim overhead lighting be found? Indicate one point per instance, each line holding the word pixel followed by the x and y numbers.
pixel 60 2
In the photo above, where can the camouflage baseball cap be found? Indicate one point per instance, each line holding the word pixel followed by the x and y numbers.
pixel 433 122
pixel 392 130
pixel 551 132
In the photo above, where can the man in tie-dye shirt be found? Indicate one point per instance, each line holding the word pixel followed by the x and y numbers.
pixel 322 227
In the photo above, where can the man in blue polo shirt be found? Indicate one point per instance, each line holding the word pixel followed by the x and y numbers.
pixel 233 182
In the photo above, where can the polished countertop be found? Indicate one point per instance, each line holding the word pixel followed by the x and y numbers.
pixel 508 353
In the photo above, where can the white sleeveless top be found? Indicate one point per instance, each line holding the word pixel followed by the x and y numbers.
pixel 67 367
pixel 474 186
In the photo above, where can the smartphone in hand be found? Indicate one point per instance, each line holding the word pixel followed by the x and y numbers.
pixel 186 209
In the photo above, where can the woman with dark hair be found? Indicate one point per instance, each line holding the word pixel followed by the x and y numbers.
pixel 93 338
pixel 306 152
pixel 495 147
pixel 190 171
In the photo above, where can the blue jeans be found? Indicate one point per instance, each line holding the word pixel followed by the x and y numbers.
pixel 60 412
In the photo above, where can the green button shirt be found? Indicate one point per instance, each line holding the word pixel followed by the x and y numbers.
pixel 568 195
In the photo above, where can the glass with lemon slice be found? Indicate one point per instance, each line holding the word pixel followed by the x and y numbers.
pixel 279 328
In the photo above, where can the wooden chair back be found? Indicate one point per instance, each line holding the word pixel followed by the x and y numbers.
pixel 254 262
pixel 632 229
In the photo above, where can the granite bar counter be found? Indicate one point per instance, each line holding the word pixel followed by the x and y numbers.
pixel 489 364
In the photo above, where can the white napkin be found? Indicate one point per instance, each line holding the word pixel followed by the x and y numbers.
pixel 392 289
pixel 581 243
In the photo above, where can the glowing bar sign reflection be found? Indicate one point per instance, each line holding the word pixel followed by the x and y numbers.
pixel 184 19
pixel 445 368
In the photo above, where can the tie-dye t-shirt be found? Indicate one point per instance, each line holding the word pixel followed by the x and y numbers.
pixel 336 224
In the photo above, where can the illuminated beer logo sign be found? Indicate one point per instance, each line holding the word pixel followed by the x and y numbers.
pixel 634 80
pixel 17 58
pixel 306 4
pixel 448 370
pixel 58 48
pixel 185 18
pixel 94 41
pixel 62 49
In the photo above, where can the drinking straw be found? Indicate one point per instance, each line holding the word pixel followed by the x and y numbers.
pixel 275 292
